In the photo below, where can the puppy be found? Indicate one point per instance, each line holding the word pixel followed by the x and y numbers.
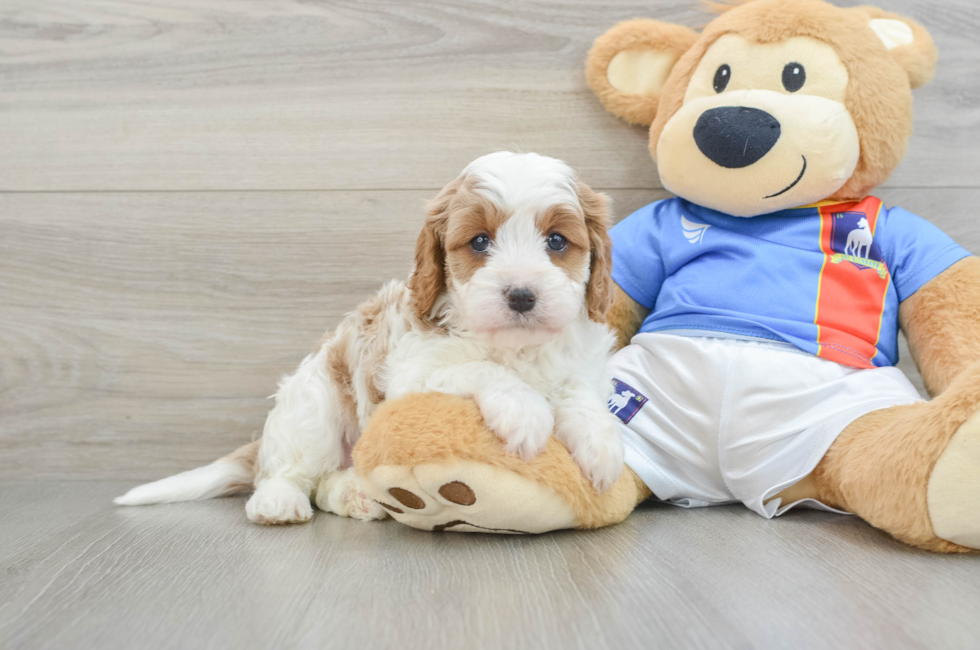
pixel 505 305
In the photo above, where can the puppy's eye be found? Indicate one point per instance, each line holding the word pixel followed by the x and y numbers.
pixel 723 76
pixel 480 243
pixel 794 76
pixel 557 242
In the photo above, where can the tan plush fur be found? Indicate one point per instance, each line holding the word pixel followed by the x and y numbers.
pixel 439 428
pixel 878 96
pixel 625 317
pixel 942 324
pixel 879 467
pixel 640 34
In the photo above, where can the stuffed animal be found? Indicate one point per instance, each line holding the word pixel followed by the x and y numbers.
pixel 761 307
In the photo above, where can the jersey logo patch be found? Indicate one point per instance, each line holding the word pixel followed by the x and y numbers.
pixel 626 401
pixel 693 231
pixel 852 241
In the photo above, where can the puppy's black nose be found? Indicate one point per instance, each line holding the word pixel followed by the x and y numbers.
pixel 736 136
pixel 521 299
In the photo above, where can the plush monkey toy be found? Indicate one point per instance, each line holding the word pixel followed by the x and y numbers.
pixel 761 307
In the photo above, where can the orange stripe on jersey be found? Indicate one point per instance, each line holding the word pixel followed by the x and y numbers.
pixel 852 286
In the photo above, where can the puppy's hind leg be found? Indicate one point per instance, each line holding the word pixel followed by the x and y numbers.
pixel 302 441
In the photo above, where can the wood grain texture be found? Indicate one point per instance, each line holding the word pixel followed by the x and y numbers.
pixel 140 333
pixel 198 575
pixel 277 95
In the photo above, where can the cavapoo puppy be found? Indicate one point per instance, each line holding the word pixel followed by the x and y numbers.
pixel 505 305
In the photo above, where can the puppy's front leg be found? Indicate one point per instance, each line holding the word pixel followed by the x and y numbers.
pixel 585 426
pixel 303 440
pixel 517 413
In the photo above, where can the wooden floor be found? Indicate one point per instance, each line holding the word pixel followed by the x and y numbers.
pixel 81 574
pixel 191 191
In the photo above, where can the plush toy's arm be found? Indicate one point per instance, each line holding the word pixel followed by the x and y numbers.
pixel 625 317
pixel 942 324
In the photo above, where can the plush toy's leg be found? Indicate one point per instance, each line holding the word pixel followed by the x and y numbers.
pixel 912 471
pixel 430 461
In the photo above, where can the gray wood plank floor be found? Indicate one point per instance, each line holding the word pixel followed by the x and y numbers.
pixel 192 191
pixel 178 94
pixel 78 573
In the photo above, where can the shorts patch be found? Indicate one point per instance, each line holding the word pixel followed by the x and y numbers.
pixel 626 401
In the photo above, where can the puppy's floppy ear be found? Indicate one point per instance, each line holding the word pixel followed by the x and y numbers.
pixel 428 280
pixel 907 42
pixel 599 292
pixel 628 66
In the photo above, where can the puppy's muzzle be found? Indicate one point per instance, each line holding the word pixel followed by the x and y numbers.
pixel 736 136
pixel 521 299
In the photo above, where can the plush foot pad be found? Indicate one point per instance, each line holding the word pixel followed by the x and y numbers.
pixel 341 493
pixel 467 496
pixel 954 488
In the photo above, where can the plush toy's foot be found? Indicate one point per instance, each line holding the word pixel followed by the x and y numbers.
pixel 467 496
pixel 430 461
pixel 912 471
pixel 954 487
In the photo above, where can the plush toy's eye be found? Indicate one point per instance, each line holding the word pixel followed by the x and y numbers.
pixel 722 77
pixel 794 76
pixel 480 243
pixel 557 242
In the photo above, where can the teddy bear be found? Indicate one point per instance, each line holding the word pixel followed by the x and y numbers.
pixel 758 310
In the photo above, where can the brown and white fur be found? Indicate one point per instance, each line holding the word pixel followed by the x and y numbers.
pixel 518 327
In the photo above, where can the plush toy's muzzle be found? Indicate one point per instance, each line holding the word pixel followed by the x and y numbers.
pixel 750 152
pixel 776 104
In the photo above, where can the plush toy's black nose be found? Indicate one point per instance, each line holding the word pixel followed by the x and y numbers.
pixel 521 299
pixel 736 136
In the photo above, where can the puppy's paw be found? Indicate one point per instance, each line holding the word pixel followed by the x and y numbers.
pixel 276 501
pixel 521 417
pixel 340 493
pixel 595 443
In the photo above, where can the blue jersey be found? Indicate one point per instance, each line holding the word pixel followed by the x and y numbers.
pixel 827 278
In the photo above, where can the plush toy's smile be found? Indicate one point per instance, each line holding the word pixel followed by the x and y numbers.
pixel 791 185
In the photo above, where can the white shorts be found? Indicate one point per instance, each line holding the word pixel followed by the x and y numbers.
pixel 720 420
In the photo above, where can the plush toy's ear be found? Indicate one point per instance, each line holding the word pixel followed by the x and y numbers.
pixel 907 42
pixel 628 65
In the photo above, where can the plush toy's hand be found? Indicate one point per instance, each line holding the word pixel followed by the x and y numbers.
pixel 519 415
pixel 940 323
pixel 592 437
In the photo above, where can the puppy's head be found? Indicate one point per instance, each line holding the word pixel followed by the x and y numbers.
pixel 517 247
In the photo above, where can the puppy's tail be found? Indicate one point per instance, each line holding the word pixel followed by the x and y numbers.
pixel 233 473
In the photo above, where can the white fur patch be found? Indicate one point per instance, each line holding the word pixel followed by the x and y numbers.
pixel 217 479
pixel 525 369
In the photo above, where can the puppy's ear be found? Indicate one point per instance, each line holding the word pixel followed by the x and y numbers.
pixel 428 280
pixel 628 66
pixel 907 42
pixel 599 292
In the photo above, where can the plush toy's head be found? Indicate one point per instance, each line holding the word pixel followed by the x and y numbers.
pixel 776 104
